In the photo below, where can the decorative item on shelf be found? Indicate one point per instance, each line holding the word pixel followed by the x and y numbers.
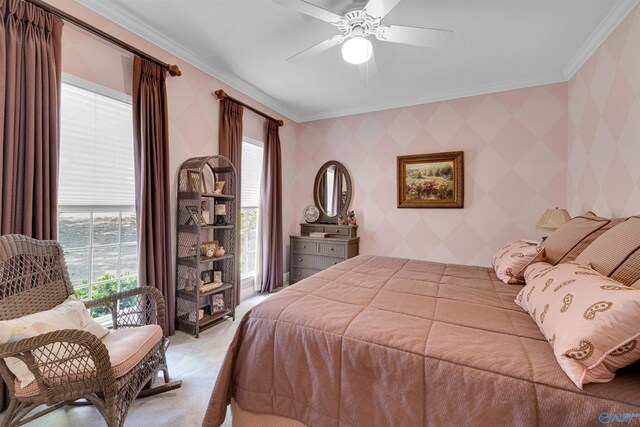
pixel 431 180
pixel 206 287
pixel 209 248
pixel 340 219
pixel 193 250
pixel 217 277
pixel 217 304
pixel 351 215
pixel 196 182
pixel 206 277
pixel 218 187
pixel 206 213
pixel 195 217
pixel 219 252
pixel 551 219
pixel 192 315
pixel 311 213
pixel 220 211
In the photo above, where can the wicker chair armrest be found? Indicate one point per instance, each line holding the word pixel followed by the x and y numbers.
pixel 63 359
pixel 149 309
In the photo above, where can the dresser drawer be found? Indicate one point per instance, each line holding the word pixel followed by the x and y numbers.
pixel 306 229
pixel 313 261
pixel 336 249
pixel 336 231
pixel 298 273
pixel 304 246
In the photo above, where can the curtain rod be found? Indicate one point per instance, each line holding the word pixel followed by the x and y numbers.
pixel 221 94
pixel 173 70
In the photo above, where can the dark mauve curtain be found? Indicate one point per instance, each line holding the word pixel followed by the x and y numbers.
pixel 230 146
pixel 153 191
pixel 30 63
pixel 271 200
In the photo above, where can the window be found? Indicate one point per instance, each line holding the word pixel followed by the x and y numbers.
pixel 96 202
pixel 251 179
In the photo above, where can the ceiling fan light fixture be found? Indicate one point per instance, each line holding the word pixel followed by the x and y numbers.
pixel 357 50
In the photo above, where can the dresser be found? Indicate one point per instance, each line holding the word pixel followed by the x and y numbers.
pixel 312 254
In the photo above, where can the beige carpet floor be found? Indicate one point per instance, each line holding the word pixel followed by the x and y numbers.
pixel 195 361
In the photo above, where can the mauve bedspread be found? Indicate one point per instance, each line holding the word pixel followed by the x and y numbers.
pixel 377 341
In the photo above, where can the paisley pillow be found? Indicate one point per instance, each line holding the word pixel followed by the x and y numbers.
pixel 591 321
pixel 511 259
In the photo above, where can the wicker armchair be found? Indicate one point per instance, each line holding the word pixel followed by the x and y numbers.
pixel 72 364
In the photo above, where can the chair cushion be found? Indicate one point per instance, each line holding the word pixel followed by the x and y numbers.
pixel 127 347
pixel 71 314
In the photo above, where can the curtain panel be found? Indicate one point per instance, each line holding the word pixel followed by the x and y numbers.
pixel 153 191
pixel 230 146
pixel 30 63
pixel 272 269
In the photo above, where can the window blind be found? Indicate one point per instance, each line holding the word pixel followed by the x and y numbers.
pixel 251 174
pixel 96 149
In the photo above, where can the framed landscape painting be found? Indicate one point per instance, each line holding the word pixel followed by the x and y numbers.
pixel 431 180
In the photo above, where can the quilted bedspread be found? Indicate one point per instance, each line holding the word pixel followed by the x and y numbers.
pixel 377 341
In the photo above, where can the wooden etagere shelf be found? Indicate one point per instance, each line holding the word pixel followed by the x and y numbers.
pixel 195 310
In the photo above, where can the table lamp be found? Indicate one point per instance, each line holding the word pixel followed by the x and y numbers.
pixel 553 218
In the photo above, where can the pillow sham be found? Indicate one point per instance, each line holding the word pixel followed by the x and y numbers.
pixel 70 314
pixel 510 261
pixel 591 321
pixel 616 253
pixel 572 237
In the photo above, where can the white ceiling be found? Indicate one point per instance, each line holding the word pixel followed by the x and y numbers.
pixel 497 45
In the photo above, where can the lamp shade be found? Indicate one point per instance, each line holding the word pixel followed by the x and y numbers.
pixel 553 218
pixel 356 50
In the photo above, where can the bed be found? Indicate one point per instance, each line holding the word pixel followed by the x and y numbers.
pixel 377 341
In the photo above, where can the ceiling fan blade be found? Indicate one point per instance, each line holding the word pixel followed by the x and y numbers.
pixel 316 49
pixel 429 37
pixel 310 9
pixel 380 8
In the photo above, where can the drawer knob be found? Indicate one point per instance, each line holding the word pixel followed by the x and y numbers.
pixel 337 230
pixel 299 259
pixel 331 249
pixel 335 262
pixel 304 246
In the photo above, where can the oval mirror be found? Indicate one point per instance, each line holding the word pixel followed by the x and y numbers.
pixel 332 191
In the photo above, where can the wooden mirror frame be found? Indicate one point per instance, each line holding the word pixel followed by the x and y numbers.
pixel 316 194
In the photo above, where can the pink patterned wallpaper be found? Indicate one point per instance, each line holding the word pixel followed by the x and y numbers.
pixel 604 126
pixel 517 162
pixel 515 167
pixel 193 111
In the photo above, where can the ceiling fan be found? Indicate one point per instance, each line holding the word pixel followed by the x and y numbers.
pixel 359 23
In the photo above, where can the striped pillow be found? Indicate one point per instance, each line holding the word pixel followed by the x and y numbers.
pixel 572 237
pixel 616 253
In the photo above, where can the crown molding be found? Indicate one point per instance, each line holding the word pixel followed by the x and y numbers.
pixel 599 35
pixel 121 17
pixel 440 96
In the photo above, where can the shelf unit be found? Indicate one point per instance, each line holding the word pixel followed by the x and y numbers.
pixel 190 263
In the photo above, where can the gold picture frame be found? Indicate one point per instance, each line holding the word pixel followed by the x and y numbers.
pixel 431 180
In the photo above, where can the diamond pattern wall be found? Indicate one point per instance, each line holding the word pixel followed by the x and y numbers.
pixel 515 168
pixel 604 126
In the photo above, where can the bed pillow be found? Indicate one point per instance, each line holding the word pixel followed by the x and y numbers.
pixel 591 321
pixel 71 314
pixel 572 237
pixel 616 253
pixel 511 260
